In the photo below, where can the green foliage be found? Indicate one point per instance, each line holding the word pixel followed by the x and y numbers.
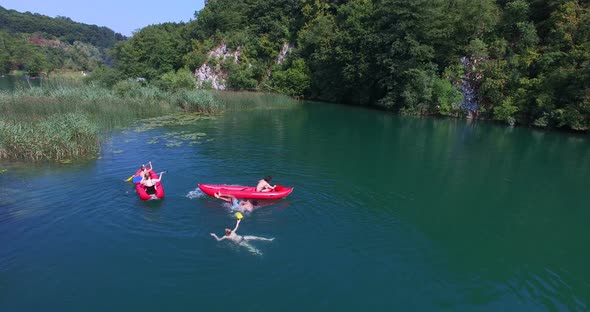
pixel 477 48
pixel 39 123
pixel 295 81
pixel 39 44
pixel 152 51
pixel 528 59
pixel 36 55
pixel 58 137
pixel 182 79
pixel 241 78
pixel 446 97
pixel 506 112
pixel 197 101
pixel 104 76
pixel 127 88
pixel 194 60
pixel 60 27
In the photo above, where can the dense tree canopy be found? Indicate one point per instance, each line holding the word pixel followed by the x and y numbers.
pixel 37 44
pixel 516 61
pixel 61 28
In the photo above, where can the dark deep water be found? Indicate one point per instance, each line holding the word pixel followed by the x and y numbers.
pixel 388 214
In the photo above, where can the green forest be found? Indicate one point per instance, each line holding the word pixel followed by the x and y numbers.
pixel 36 44
pixel 524 62
pixel 520 62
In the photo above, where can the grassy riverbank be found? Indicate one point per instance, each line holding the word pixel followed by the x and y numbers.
pixel 66 121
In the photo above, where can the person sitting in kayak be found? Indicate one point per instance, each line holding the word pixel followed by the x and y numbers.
pixel 144 170
pixel 264 186
pixel 149 183
pixel 242 205
pixel 241 240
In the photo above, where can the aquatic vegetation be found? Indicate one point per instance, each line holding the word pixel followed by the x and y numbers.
pixel 57 137
pixel 38 123
pixel 173 119
pixel 197 101
pixel 69 120
pixel 174 144
pixel 254 100
pixel 3 171
pixel 178 138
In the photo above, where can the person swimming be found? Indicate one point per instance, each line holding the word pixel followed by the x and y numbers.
pixel 241 240
pixel 241 205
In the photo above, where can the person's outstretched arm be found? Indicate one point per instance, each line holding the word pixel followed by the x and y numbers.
pixel 237 224
pixel 159 178
pixel 223 197
pixel 150 163
pixel 217 238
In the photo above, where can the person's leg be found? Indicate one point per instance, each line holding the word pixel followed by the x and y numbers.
pixel 250 248
pixel 250 237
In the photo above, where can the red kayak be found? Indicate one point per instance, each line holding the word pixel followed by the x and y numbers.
pixel 141 189
pixel 245 192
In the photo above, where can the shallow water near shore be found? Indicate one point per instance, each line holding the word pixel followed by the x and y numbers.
pixel 388 213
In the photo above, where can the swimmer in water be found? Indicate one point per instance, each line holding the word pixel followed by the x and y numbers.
pixel 241 205
pixel 241 240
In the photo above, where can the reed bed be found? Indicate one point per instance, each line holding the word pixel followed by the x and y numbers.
pixel 232 100
pixel 66 121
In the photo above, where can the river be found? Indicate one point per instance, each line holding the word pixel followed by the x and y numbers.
pixel 388 214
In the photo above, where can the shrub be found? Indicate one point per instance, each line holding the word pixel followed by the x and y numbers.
pixel 294 81
pixel 183 79
pixel 197 101
pixel 506 112
pixel 127 88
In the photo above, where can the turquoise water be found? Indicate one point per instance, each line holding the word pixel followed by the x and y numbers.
pixel 387 213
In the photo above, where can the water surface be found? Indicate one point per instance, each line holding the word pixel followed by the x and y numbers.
pixel 387 213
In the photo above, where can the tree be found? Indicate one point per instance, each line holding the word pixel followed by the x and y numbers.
pixel 152 52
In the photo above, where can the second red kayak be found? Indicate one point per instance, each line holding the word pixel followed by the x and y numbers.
pixel 245 192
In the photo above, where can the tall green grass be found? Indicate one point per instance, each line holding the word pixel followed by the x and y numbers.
pixel 65 121
pixel 232 100
pixel 58 137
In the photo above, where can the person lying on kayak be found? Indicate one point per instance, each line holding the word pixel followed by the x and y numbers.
pixel 264 186
pixel 239 239
pixel 242 205
pixel 149 183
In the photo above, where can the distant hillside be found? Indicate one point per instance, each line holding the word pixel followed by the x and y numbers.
pixel 61 28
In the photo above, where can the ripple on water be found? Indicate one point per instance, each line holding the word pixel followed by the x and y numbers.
pixel 548 287
pixel 196 193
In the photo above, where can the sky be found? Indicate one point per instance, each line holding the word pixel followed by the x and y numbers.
pixel 123 16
